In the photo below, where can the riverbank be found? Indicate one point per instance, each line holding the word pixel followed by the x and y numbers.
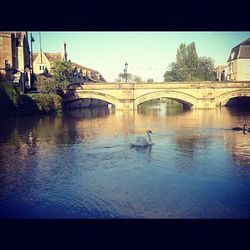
pixel 12 103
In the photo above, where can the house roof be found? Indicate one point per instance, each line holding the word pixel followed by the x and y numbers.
pixel 245 52
pixel 93 76
pixel 242 50
pixel 53 57
pixel 34 55
pixel 78 66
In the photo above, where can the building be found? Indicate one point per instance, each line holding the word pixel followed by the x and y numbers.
pixel 15 58
pixel 238 63
pixel 221 73
pixel 82 74
pixel 44 62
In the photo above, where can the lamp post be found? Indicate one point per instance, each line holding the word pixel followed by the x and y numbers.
pixel 126 72
pixel 32 66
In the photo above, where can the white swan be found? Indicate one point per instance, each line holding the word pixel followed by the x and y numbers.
pixel 142 141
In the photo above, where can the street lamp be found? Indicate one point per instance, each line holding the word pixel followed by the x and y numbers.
pixel 126 72
pixel 32 66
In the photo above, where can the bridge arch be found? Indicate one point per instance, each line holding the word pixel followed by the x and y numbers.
pixel 95 95
pixel 224 98
pixel 176 95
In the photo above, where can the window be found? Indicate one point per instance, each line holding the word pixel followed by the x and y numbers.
pixel 7 65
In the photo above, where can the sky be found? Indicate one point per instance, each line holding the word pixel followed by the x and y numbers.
pixel 148 54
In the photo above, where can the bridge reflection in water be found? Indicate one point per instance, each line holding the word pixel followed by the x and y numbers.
pixel 31 132
pixel 79 165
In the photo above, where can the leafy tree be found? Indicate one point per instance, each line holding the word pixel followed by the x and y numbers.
pixel 206 70
pixel 181 62
pixel 63 72
pixel 130 78
pixel 150 80
pixel 136 79
pixel 192 60
pixel 189 66
pixel 172 74
pixel 46 83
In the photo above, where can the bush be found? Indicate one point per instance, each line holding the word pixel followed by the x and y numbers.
pixel 47 103
pixel 26 105
pixel 8 98
pixel 12 103
pixel 45 83
pixel 10 89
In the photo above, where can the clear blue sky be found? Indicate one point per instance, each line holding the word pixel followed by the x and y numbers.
pixel 148 54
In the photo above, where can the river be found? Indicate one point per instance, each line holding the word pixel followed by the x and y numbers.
pixel 80 164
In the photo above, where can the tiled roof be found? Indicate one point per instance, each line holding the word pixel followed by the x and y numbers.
pixel 102 78
pixel 34 55
pixel 242 50
pixel 78 66
pixel 52 57
pixel 93 77
pixel 246 42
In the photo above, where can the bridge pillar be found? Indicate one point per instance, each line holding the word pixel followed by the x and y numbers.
pixel 205 104
pixel 125 104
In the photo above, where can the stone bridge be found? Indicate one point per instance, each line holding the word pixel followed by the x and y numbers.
pixel 127 96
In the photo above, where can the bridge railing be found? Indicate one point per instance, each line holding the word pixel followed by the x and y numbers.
pixel 186 84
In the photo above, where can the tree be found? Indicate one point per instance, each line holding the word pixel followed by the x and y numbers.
pixel 150 80
pixel 63 72
pixel 172 74
pixel 130 78
pixel 189 66
pixel 181 62
pixel 206 70
pixel 45 83
pixel 192 60
pixel 136 79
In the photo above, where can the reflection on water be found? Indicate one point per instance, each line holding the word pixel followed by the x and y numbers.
pixel 80 165
pixel 88 113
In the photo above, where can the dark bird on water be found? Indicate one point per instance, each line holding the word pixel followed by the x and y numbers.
pixel 244 128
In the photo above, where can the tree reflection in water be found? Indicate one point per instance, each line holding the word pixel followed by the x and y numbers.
pixel 60 162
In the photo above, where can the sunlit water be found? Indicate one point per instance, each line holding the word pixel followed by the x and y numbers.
pixel 80 165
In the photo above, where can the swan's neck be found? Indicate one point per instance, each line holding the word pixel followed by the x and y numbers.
pixel 149 138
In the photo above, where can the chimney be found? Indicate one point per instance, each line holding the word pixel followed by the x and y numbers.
pixel 64 52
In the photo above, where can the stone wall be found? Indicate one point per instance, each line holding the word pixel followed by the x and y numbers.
pixel 5 49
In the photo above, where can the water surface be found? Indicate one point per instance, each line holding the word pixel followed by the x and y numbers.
pixel 80 165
